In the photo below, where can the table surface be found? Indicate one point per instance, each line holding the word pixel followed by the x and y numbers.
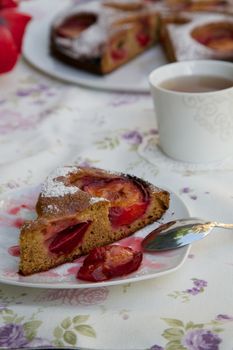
pixel 45 123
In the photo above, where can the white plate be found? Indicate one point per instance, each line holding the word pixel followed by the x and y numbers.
pixel 20 205
pixel 132 77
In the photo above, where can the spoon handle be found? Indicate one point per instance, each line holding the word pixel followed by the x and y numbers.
pixel 220 224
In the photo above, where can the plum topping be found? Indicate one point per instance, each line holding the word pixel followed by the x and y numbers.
pixel 125 216
pixel 68 239
pixel 104 263
pixel 218 36
pixel 118 50
pixel 129 198
pixel 74 25
pixel 143 38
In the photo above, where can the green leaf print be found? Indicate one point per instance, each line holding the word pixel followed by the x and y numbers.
pixel 30 329
pixel 80 318
pixel 30 335
pixel 108 143
pixel 86 330
pixel 32 325
pixel 174 345
pixel 173 334
pixel 58 343
pixel 217 330
pixel 66 323
pixel 67 330
pixel 173 322
pixel 70 337
pixel 19 319
pixel 58 332
pixel 192 325
pixel 8 319
pixel 8 311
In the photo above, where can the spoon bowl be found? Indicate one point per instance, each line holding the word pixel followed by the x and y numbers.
pixel 178 233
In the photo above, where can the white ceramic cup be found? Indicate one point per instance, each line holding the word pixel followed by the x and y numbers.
pixel 194 127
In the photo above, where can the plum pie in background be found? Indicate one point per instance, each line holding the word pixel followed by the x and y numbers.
pixel 100 36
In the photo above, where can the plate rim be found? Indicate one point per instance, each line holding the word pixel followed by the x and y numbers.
pixel 97 284
pixel 109 283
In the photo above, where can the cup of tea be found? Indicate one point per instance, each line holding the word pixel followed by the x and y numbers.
pixel 193 103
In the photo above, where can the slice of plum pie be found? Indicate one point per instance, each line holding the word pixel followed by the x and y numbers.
pixel 81 208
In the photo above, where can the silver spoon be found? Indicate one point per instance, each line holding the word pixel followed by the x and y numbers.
pixel 177 233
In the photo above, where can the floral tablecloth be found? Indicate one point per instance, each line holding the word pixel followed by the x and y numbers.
pixel 45 123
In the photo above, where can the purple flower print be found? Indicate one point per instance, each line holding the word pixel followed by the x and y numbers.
pixel 194 197
pixel 193 291
pixel 29 91
pixel 201 339
pixel 224 318
pixel 12 336
pixel 23 93
pixel 9 120
pixel 154 131
pixel 185 190
pixel 133 137
pixel 123 99
pixel 198 287
pixel 13 121
pixel 43 86
pixel 156 347
pixel 199 283
pixel 85 163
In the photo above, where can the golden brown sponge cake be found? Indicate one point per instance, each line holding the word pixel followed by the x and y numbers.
pixel 82 208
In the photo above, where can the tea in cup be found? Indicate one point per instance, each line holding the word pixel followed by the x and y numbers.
pixel 193 103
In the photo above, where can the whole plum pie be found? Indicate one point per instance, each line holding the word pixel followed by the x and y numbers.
pixel 100 36
pixel 82 208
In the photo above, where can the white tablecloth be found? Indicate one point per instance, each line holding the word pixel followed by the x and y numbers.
pixel 45 123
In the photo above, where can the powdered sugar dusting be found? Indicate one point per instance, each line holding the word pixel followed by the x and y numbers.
pixel 187 48
pixel 94 200
pixel 92 41
pixel 52 208
pixel 54 187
